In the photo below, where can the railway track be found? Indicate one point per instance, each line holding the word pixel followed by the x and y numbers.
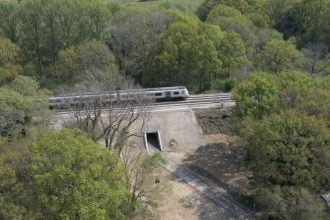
pixel 194 101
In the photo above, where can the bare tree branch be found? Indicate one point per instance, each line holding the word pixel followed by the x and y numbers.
pixel 110 109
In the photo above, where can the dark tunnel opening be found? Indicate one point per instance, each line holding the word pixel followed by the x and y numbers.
pixel 153 141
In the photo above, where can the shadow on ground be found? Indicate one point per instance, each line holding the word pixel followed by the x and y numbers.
pixel 222 161
pixel 206 210
pixel 223 166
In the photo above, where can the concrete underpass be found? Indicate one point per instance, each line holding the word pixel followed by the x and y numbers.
pixel 153 142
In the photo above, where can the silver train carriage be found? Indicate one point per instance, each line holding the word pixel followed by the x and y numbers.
pixel 156 94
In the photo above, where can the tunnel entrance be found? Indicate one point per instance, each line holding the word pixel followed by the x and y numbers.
pixel 152 142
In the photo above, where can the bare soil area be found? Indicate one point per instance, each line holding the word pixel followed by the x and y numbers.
pixel 217 121
pixel 223 158
pixel 175 200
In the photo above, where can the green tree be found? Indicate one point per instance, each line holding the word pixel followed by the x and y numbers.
pixel 177 56
pixel 325 66
pixel 9 52
pixel 9 20
pixel 283 14
pixel 233 52
pixel 305 20
pixel 257 96
pixel 265 35
pixel 288 202
pixel 66 176
pixel 231 19
pixel 288 90
pixel 133 32
pixel 11 190
pixel 85 63
pixel 189 53
pixel 314 55
pixel 294 87
pixel 26 86
pixel 10 57
pixel 185 6
pixel 279 55
pixel 246 7
pixel 316 101
pixel 315 21
pixel 209 57
pixel 48 26
pixel 289 148
pixel 286 134
pixel 32 31
pixel 19 102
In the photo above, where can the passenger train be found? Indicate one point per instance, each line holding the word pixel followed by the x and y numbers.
pixel 157 94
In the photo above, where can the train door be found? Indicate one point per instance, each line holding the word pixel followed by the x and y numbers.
pixel 167 94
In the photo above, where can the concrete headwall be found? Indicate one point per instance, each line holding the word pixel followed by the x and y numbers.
pixel 179 130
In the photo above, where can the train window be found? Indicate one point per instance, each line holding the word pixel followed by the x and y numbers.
pixel 55 100
pixel 158 94
pixel 176 93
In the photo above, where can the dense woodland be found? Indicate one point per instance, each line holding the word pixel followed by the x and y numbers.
pixel 274 55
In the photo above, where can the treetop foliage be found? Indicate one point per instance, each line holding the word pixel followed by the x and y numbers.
pixel 65 175
pixel 135 34
pixel 257 96
pixel 279 55
pixel 286 133
pixel 288 203
pixel 231 19
pixel 42 31
pixel 289 148
pixel 10 61
pixel 19 102
pixel 264 93
pixel 85 63
pixel 10 53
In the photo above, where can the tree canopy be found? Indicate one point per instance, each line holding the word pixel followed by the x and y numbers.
pixel 85 63
pixel 19 102
pixel 257 96
pixel 62 175
pixel 10 58
pixel 278 56
pixel 289 148
pixel 285 131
